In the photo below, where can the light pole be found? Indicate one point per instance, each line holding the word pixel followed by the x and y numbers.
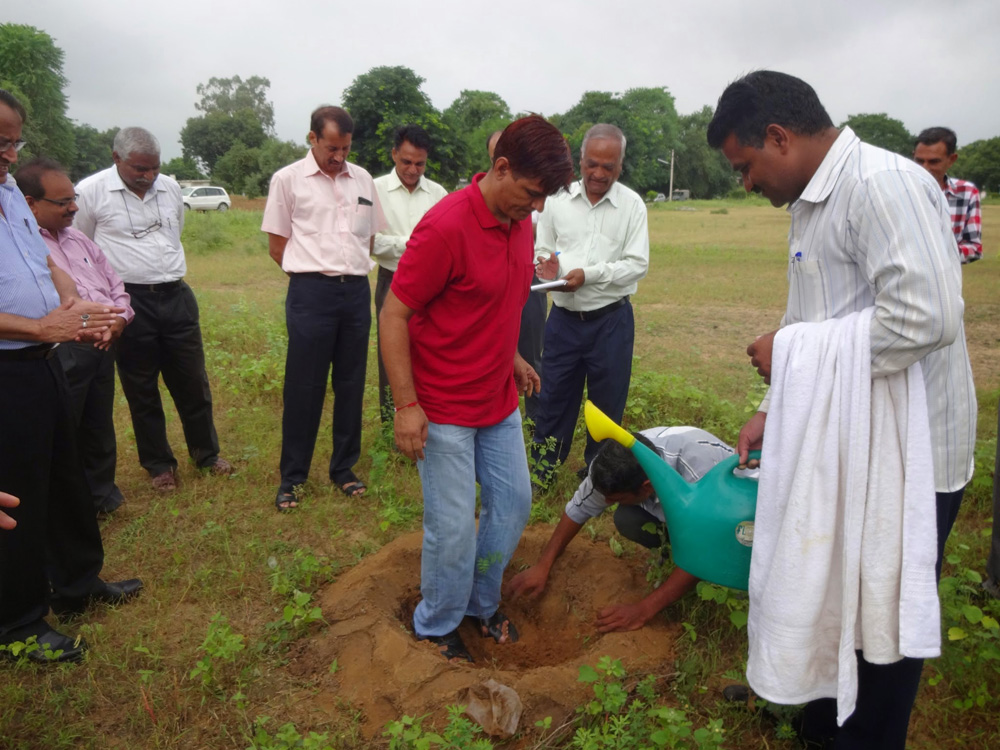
pixel 670 196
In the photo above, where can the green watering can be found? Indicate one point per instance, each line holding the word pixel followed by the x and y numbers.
pixel 710 521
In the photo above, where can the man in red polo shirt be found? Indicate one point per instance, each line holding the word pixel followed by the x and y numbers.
pixel 449 341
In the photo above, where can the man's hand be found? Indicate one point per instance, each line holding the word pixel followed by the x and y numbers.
pixel 751 436
pixel 525 377
pixel 760 354
pixel 548 269
pixel 112 334
pixel 66 322
pixel 410 427
pixel 7 501
pixel 530 583
pixel 574 280
pixel 623 617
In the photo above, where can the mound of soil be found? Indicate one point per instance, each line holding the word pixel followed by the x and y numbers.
pixel 383 672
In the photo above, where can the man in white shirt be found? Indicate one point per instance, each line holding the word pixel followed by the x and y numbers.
pixel 869 229
pixel 406 195
pixel 136 215
pixel 617 478
pixel 321 218
pixel 595 236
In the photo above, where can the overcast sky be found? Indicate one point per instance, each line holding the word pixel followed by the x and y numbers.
pixel 925 62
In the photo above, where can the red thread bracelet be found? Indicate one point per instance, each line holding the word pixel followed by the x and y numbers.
pixel 400 408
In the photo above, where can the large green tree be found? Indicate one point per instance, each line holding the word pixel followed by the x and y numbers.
pixel 31 68
pixel 474 116
pixel 697 166
pixel 385 98
pixel 208 137
pixel 247 171
pixel 182 169
pixel 979 162
pixel 883 131
pixel 93 151
pixel 648 119
pixel 230 95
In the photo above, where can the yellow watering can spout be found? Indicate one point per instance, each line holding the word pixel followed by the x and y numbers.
pixel 602 427
pixel 710 522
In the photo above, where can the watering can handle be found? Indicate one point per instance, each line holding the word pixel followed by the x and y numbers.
pixel 602 427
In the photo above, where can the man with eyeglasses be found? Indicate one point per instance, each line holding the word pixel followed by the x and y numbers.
pixel 136 216
pixel 90 366
pixel 51 553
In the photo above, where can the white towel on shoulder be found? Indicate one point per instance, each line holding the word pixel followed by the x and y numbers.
pixel 845 536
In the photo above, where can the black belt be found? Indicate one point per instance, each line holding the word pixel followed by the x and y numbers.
pixel 166 286
pixel 323 276
pixel 38 351
pixel 594 314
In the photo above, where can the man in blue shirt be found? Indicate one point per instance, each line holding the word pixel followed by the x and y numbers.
pixel 56 541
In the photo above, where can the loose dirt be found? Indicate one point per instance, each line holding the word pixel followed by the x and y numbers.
pixel 384 673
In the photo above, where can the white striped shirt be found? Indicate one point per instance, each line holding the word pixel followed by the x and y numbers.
pixel 873 228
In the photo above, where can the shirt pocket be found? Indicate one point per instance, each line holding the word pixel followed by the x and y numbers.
pixel 361 221
pixel 807 292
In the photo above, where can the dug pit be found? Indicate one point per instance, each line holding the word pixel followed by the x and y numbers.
pixel 383 672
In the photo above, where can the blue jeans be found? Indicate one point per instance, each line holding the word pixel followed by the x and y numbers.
pixel 461 570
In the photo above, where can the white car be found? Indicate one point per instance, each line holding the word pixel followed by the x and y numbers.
pixel 206 198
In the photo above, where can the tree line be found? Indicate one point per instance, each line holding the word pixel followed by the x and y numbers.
pixel 232 140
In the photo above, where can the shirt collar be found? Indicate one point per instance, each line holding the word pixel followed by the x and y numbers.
pixel 310 167
pixel 825 177
pixel 613 196
pixel 395 183
pixel 950 185
pixel 115 182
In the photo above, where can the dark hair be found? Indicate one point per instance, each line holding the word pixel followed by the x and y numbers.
pixel 337 115
pixel 765 97
pixel 29 175
pixel 490 137
pixel 415 134
pixel 11 101
pixel 536 150
pixel 938 135
pixel 615 468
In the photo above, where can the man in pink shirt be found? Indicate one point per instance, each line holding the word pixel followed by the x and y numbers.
pixel 321 217
pixel 90 367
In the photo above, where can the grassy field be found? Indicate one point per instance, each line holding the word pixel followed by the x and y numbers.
pixel 201 658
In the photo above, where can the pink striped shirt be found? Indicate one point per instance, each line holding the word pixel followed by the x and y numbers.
pixel 76 254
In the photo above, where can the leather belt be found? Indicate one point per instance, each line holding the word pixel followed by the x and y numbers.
pixel 166 286
pixel 325 277
pixel 38 351
pixel 600 312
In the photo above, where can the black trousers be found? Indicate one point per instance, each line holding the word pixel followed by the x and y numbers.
pixel 329 322
pixel 57 540
pixel 385 406
pixel 593 353
pixel 165 338
pixel 530 341
pixel 90 373
pixel 886 692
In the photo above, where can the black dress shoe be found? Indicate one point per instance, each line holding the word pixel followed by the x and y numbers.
pixel 112 593
pixel 53 646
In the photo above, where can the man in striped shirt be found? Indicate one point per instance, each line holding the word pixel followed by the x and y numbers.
pixel 868 229
pixel 935 152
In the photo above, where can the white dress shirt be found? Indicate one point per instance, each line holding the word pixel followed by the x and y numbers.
pixel 403 211
pixel 873 228
pixel 329 221
pixel 609 240
pixel 111 215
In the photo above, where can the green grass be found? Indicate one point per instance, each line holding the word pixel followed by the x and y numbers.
pixel 200 659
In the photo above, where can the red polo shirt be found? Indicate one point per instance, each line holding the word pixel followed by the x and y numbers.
pixel 466 276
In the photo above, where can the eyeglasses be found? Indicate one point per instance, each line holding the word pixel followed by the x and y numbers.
pixel 61 203
pixel 156 225
pixel 6 144
pixel 140 233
